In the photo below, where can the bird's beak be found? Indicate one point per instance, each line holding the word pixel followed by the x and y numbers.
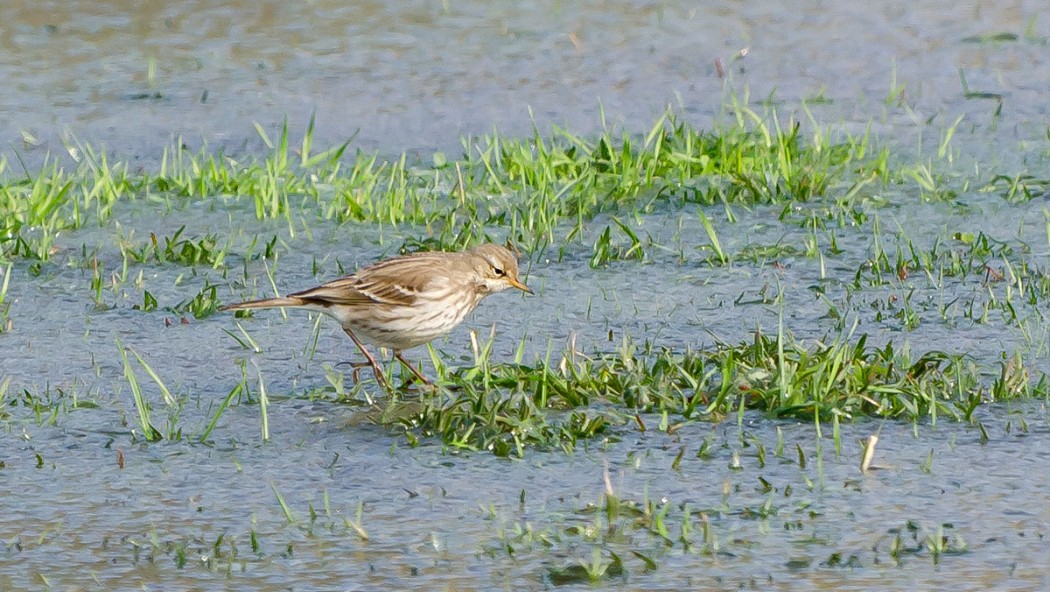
pixel 517 284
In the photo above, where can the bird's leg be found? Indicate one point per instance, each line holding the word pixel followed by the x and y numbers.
pixel 355 373
pixel 419 375
pixel 371 361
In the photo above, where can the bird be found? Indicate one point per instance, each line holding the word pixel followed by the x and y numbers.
pixel 406 301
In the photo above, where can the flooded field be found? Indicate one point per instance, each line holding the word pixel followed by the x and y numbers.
pixel 415 77
pixel 757 238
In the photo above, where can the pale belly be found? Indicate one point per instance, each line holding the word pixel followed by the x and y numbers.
pixel 402 328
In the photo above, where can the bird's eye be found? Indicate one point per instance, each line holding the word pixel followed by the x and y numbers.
pixel 498 272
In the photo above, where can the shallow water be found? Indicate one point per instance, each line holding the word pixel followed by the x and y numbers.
pixel 417 76
pixel 413 78
pixel 447 521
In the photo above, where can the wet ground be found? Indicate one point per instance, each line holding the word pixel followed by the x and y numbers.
pixel 89 506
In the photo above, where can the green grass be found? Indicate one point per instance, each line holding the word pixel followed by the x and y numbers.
pixel 540 191
pixel 512 407
pixel 6 324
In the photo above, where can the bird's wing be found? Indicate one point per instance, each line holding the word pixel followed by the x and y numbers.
pixel 395 282
pixel 347 290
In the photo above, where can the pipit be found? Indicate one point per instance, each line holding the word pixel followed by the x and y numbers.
pixel 406 301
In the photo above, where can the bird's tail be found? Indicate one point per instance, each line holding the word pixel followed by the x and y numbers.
pixel 264 303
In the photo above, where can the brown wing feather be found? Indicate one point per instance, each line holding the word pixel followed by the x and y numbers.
pixel 395 281
pixel 340 291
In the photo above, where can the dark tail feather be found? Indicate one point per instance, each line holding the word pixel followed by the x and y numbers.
pixel 264 303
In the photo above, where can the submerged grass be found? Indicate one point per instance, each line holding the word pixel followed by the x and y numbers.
pixel 622 535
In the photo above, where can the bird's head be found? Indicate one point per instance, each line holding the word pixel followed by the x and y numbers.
pixel 496 268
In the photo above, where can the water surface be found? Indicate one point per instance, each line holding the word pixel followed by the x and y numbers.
pixel 89 505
